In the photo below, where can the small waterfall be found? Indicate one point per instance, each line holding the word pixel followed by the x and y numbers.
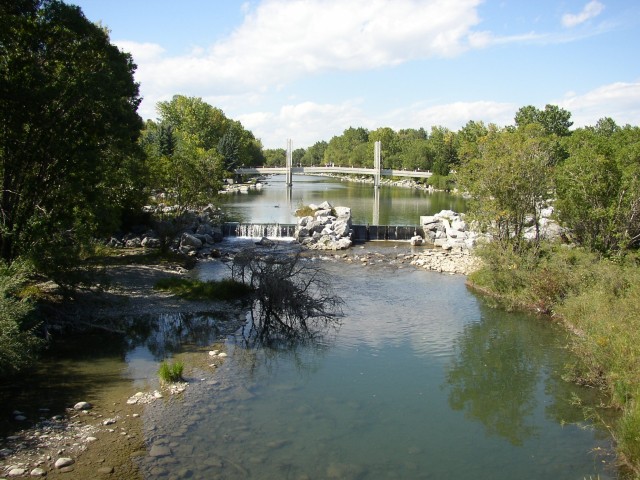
pixel 259 230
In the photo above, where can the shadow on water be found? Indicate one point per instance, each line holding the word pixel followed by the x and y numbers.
pixel 499 363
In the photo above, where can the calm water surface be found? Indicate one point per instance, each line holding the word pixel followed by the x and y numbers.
pixel 397 206
pixel 420 381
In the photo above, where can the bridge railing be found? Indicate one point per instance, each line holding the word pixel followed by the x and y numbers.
pixel 387 172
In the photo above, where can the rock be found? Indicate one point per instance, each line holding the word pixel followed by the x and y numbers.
pixel 64 462
pixel 265 242
pixel 105 470
pixel 416 240
pixel 82 406
pixel 38 472
pixel 190 241
pixel 109 421
pixel 150 242
pixel 16 472
pixel 159 451
pixel 20 418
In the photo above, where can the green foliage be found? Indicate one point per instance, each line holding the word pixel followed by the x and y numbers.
pixel 554 120
pixel 508 182
pixel 304 211
pixel 598 187
pixel 171 372
pixel 314 155
pixel 18 342
pixel 190 289
pixel 193 147
pixel 275 157
pixel 69 160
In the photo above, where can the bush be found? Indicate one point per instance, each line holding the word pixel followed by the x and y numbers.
pixel 18 343
pixel 171 372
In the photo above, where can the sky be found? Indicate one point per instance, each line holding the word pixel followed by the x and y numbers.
pixel 306 70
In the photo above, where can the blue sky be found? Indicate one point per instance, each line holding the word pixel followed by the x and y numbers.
pixel 309 69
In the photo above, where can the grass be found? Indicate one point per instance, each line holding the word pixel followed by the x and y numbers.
pixel 304 211
pixel 596 297
pixel 190 289
pixel 171 372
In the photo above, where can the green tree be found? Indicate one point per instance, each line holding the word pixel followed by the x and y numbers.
pixel 341 149
pixel 314 155
pixel 554 120
pixel 598 186
pixel 442 143
pixel 509 181
pixel 69 158
pixel 275 157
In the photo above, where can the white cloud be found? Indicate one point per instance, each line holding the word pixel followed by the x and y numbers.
pixel 590 10
pixel 453 115
pixel 281 41
pixel 620 101
pixel 305 123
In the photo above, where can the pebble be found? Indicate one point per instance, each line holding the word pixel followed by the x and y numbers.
pixel 64 462
pixel 82 406
pixel 17 472
pixel 106 470
pixel 38 472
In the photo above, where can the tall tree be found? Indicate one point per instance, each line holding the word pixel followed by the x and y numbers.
pixel 598 187
pixel 68 129
pixel 509 181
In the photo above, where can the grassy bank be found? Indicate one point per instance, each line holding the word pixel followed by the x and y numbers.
pixel 598 299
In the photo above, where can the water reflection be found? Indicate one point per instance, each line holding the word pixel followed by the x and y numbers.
pixel 166 334
pixel 500 365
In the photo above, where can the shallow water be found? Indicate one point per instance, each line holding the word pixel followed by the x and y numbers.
pixel 419 381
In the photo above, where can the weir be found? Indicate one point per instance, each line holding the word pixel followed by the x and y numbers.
pixel 361 233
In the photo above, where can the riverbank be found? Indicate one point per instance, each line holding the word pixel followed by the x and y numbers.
pixel 107 438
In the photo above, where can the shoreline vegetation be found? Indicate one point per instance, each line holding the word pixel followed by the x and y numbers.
pixel 597 299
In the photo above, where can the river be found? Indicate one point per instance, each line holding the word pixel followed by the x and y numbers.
pixel 420 379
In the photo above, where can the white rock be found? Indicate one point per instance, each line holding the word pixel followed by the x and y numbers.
pixel 38 472
pixel 222 355
pixel 16 472
pixel 82 406
pixel 64 462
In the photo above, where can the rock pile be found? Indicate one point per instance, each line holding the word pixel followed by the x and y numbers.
pixel 455 260
pixel 329 228
pixel 195 234
pixel 448 230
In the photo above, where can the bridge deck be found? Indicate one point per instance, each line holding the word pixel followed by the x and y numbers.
pixel 387 172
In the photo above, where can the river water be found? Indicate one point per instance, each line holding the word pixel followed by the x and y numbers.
pixel 419 380
pixel 397 206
